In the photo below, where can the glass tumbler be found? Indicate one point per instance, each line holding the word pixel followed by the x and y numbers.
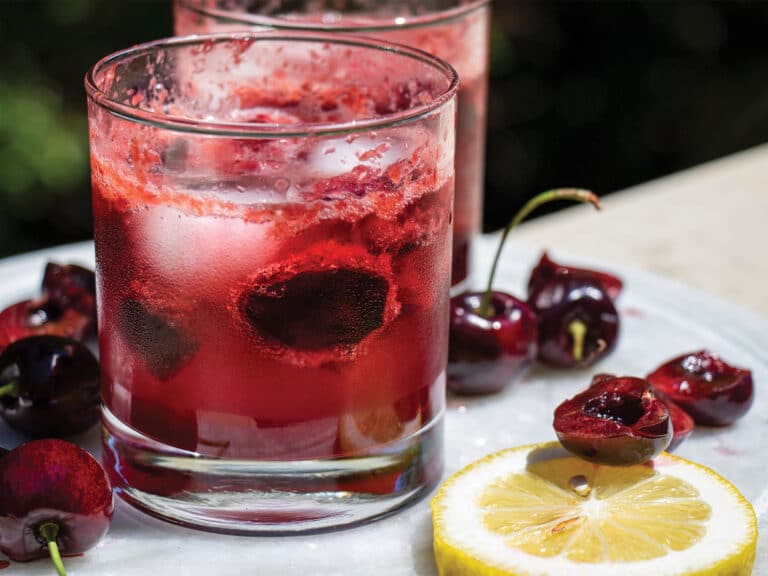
pixel 456 31
pixel 273 221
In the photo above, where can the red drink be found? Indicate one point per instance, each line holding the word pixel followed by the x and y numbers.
pixel 273 260
pixel 456 31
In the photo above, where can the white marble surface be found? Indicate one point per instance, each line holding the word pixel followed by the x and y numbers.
pixel 706 227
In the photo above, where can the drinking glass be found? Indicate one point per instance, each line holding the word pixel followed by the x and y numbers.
pixel 456 31
pixel 273 250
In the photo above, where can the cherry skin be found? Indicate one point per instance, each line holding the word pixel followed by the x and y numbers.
pixel 682 424
pixel 72 287
pixel 492 339
pixel 547 269
pixel 54 498
pixel 712 391
pixel 41 316
pixel 487 352
pixel 67 307
pixel 49 386
pixel 578 322
pixel 617 421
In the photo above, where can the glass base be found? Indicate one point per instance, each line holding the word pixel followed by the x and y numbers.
pixel 268 497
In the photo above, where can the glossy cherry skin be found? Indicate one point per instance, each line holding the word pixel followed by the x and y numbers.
pixel 547 269
pixel 52 481
pixel 567 299
pixel 42 316
pixel 682 424
pixel 72 287
pixel 712 391
pixel 617 421
pixel 67 307
pixel 50 386
pixel 487 353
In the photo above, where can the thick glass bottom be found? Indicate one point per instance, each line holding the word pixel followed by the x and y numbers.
pixel 268 497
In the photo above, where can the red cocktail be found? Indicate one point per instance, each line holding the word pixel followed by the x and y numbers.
pixel 456 31
pixel 273 241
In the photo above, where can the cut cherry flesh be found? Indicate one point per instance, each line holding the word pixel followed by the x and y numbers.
pixel 547 269
pixel 318 310
pixel 617 421
pixel 72 287
pixel 682 424
pixel 43 316
pixel 57 483
pixel 488 352
pixel 163 346
pixel 67 307
pixel 578 323
pixel 49 386
pixel 712 391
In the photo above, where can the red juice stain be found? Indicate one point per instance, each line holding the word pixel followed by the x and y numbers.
pixel 4 564
pixel 726 451
pixel 633 312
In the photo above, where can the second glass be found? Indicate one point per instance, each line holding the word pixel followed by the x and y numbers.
pixel 456 31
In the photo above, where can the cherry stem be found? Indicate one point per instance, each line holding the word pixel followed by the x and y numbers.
pixel 575 194
pixel 49 531
pixel 578 331
pixel 11 389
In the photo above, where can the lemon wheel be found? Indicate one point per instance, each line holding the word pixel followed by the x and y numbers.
pixel 539 511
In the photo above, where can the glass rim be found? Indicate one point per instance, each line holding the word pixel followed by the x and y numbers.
pixel 266 130
pixel 386 24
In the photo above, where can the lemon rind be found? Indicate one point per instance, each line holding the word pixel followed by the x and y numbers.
pixel 452 560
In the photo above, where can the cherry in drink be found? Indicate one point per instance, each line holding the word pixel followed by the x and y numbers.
pixel 273 243
pixel 456 31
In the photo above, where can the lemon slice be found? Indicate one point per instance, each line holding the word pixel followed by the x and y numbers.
pixel 539 511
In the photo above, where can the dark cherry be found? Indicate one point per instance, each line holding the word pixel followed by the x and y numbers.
pixel 49 386
pixel 72 286
pixel 162 345
pixel 578 323
pixel 547 269
pixel 55 499
pixel 682 424
pixel 317 310
pixel 487 352
pixel 43 315
pixel 712 391
pixel 493 335
pixel 617 421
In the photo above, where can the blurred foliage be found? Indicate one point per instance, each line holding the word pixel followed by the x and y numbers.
pixel 599 94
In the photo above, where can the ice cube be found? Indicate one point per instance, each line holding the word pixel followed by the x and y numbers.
pixel 341 155
pixel 203 254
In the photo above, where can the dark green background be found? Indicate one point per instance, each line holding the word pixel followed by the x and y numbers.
pixel 596 94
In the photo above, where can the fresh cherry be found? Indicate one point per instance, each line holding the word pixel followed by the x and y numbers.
pixel 712 391
pixel 617 421
pixel 49 386
pixel 487 353
pixel 493 335
pixel 682 424
pixel 578 323
pixel 55 499
pixel 547 269
pixel 42 316
pixel 67 307
pixel 72 287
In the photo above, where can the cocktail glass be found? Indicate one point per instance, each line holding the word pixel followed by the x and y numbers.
pixel 273 248
pixel 456 31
